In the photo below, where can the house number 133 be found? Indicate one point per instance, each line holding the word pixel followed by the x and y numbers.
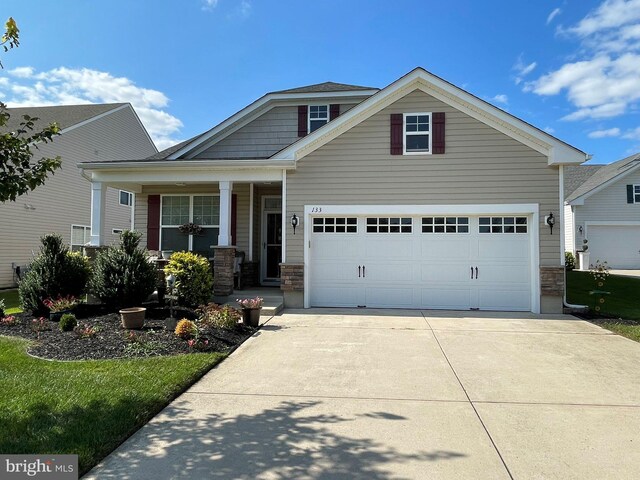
pixel 316 209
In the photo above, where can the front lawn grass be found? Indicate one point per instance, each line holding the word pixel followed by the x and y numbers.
pixel 11 301
pixel 623 303
pixel 86 408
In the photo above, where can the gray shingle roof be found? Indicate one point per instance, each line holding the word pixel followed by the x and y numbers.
pixel 325 87
pixel 168 151
pixel 604 174
pixel 64 115
pixel 575 176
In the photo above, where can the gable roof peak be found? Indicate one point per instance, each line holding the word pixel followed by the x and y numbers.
pixel 325 87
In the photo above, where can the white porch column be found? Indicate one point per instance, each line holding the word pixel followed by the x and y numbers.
pixel 98 196
pixel 224 236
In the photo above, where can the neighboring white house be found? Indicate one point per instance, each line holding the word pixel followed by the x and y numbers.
pixel 602 205
pixel 418 195
pixel 63 204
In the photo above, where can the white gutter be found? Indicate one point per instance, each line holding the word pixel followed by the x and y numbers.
pixel 180 164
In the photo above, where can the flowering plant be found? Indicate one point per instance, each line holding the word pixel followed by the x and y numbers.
pixel 198 343
pixel 250 302
pixel 84 330
pixel 61 304
pixel 599 272
pixel 9 320
pixel 191 228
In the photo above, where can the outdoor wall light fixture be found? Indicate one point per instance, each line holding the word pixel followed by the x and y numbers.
pixel 294 222
pixel 551 221
pixel 580 229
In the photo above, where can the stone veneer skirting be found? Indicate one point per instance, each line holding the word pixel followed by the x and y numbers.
pixel 292 277
pixel 223 260
pixel 552 281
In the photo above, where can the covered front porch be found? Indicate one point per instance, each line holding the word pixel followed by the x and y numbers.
pixel 235 218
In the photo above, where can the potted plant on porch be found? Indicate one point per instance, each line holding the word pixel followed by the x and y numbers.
pixel 251 308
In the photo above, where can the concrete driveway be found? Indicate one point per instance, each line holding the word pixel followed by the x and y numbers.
pixel 330 394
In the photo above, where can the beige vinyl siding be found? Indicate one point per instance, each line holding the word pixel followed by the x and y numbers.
pixel 269 133
pixel 65 198
pixel 480 166
pixel 609 204
pixel 569 237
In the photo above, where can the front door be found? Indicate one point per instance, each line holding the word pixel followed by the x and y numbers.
pixel 271 240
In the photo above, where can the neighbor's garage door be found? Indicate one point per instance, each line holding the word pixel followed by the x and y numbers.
pixel 618 245
pixel 446 262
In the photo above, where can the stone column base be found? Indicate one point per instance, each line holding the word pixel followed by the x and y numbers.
pixel 223 260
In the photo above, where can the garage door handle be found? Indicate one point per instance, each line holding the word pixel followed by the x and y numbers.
pixel 476 273
pixel 359 271
pixel 471 273
pixel 363 273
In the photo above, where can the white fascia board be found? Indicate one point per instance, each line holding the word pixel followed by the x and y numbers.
pixel 450 94
pixel 190 176
pixel 580 200
pixel 190 164
pixel 257 108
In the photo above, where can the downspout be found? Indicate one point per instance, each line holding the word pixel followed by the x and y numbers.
pixel 562 246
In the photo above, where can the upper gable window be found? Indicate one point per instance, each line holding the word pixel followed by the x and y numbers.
pixel 636 194
pixel 318 116
pixel 417 133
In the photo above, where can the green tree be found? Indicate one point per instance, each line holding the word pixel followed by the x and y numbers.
pixel 19 174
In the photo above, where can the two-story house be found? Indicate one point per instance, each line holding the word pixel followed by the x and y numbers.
pixel 417 195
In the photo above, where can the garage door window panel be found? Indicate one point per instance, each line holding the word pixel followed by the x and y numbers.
pixel 335 225
pixel 502 225
pixel 389 225
pixel 445 224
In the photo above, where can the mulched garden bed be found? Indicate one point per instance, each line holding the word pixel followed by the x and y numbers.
pixel 110 340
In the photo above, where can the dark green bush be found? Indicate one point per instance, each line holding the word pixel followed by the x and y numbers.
pixel 569 260
pixel 194 280
pixel 68 322
pixel 54 273
pixel 123 276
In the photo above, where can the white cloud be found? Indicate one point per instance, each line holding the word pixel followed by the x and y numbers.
pixel 549 130
pixel 633 134
pixel 611 132
pixel 68 86
pixel 522 69
pixel 209 4
pixel 501 98
pixel 604 81
pixel 553 14
pixel 245 8
pixel 22 72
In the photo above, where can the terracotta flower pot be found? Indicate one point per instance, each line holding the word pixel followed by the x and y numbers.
pixel 133 318
pixel 251 316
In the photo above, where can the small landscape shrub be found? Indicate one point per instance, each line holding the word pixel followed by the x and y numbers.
pixel 198 343
pixel 68 322
pixel 569 260
pixel 61 304
pixel 194 280
pixel 122 275
pixel 213 315
pixel 9 320
pixel 2 308
pixel 84 330
pixel 186 328
pixel 40 324
pixel 54 273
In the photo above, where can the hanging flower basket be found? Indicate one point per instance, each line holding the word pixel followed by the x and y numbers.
pixel 191 229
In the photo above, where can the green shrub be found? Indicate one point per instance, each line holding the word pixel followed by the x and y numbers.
pixel 54 273
pixel 123 276
pixel 186 328
pixel 569 260
pixel 68 322
pixel 213 315
pixel 194 281
pixel 2 308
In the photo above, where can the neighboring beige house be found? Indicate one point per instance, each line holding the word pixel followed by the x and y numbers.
pixel 63 204
pixel 603 206
pixel 418 195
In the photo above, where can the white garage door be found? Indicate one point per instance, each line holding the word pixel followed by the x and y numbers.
pixel 618 245
pixel 445 262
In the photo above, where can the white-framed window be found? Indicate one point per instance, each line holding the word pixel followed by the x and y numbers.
pixel 177 210
pixel 318 116
pixel 126 198
pixel 80 236
pixel 389 224
pixel 335 225
pixel 636 194
pixel 416 133
pixel 502 225
pixel 445 224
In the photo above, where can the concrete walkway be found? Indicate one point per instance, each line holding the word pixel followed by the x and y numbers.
pixel 353 394
pixel 626 273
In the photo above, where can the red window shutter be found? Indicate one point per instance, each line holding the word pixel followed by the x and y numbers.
pixel 334 111
pixel 234 217
pixel 437 123
pixel 302 120
pixel 396 134
pixel 153 222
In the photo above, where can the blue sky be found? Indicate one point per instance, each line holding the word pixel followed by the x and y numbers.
pixel 571 67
